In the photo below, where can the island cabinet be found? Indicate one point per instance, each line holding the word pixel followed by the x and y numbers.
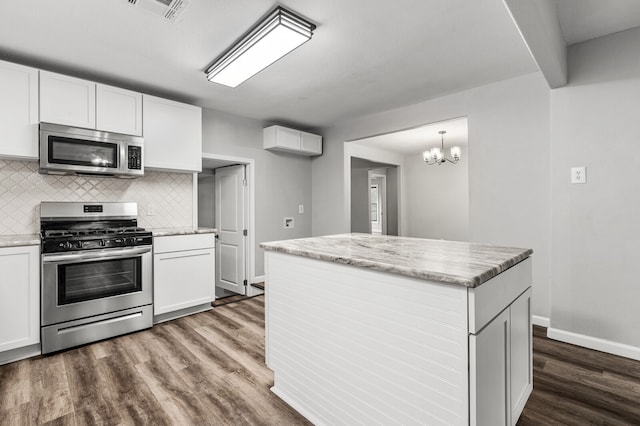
pixel 172 135
pixel 366 329
pixel 183 275
pixel 18 111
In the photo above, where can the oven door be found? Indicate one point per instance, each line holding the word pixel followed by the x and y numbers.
pixel 84 284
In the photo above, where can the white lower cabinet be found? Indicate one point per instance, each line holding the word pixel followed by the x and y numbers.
pixel 501 366
pixel 183 272
pixel 19 297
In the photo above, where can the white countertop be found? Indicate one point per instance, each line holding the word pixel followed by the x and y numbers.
pixel 454 262
pixel 19 240
pixel 165 232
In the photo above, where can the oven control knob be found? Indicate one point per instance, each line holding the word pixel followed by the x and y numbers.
pixel 67 245
pixel 130 241
pixel 102 243
pixel 79 244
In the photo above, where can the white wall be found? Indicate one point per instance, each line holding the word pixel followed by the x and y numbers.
pixel 437 198
pixel 283 181
pixel 596 226
pixel 509 171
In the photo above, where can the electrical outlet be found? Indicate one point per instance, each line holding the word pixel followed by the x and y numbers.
pixel 151 210
pixel 579 174
pixel 301 209
pixel 288 223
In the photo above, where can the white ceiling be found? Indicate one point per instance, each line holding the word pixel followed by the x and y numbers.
pixel 365 56
pixel 582 20
pixel 418 139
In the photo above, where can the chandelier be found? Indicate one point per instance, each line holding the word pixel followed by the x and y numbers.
pixel 436 154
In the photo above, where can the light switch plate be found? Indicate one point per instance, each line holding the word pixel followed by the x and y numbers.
pixel 579 174
pixel 301 208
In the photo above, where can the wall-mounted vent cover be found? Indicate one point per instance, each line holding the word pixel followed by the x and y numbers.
pixel 168 9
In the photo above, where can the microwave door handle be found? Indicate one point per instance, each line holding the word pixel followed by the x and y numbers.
pixel 69 258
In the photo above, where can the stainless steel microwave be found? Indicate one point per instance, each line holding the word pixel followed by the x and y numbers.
pixel 74 150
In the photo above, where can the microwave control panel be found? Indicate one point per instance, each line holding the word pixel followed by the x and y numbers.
pixel 134 157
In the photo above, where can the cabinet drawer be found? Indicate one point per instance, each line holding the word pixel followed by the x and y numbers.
pixel 172 243
pixel 493 296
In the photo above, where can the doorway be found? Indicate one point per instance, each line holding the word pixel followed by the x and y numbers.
pixel 434 196
pixel 378 202
pixel 225 201
pixel 374 197
pixel 230 200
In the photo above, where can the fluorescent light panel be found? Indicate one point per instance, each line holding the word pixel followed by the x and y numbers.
pixel 271 39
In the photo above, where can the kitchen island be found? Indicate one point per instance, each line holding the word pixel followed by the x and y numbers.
pixel 370 329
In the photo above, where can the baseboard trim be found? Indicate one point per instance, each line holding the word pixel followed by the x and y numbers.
pixel 169 316
pixel 541 321
pixel 20 353
pixel 595 343
pixel 300 409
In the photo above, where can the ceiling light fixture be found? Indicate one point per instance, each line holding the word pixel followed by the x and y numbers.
pixel 269 40
pixel 436 154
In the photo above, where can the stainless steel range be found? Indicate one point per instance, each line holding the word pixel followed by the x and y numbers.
pixel 96 273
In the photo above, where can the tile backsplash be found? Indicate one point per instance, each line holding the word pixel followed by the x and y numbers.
pixel 22 189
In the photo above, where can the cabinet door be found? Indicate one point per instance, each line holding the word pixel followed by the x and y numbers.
pixel 183 279
pixel 118 110
pixel 18 111
pixel 67 100
pixel 287 138
pixel 521 353
pixel 19 297
pixel 489 373
pixel 172 135
pixel 311 143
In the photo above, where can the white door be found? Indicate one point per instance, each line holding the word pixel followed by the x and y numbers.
pixel 230 184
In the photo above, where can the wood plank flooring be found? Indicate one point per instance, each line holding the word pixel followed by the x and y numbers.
pixel 208 369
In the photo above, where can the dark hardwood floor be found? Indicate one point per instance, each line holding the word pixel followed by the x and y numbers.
pixel 578 386
pixel 208 369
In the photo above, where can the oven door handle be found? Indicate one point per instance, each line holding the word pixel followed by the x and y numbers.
pixel 80 257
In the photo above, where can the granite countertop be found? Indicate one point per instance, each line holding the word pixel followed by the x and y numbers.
pixel 461 263
pixel 19 240
pixel 165 232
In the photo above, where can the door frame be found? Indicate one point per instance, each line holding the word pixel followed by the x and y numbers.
pixel 382 196
pixel 352 149
pixel 250 213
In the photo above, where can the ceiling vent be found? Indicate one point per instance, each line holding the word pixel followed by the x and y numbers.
pixel 168 9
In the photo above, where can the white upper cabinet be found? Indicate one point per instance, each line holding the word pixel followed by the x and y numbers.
pixel 75 102
pixel 278 138
pixel 67 100
pixel 118 110
pixel 18 111
pixel 172 135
